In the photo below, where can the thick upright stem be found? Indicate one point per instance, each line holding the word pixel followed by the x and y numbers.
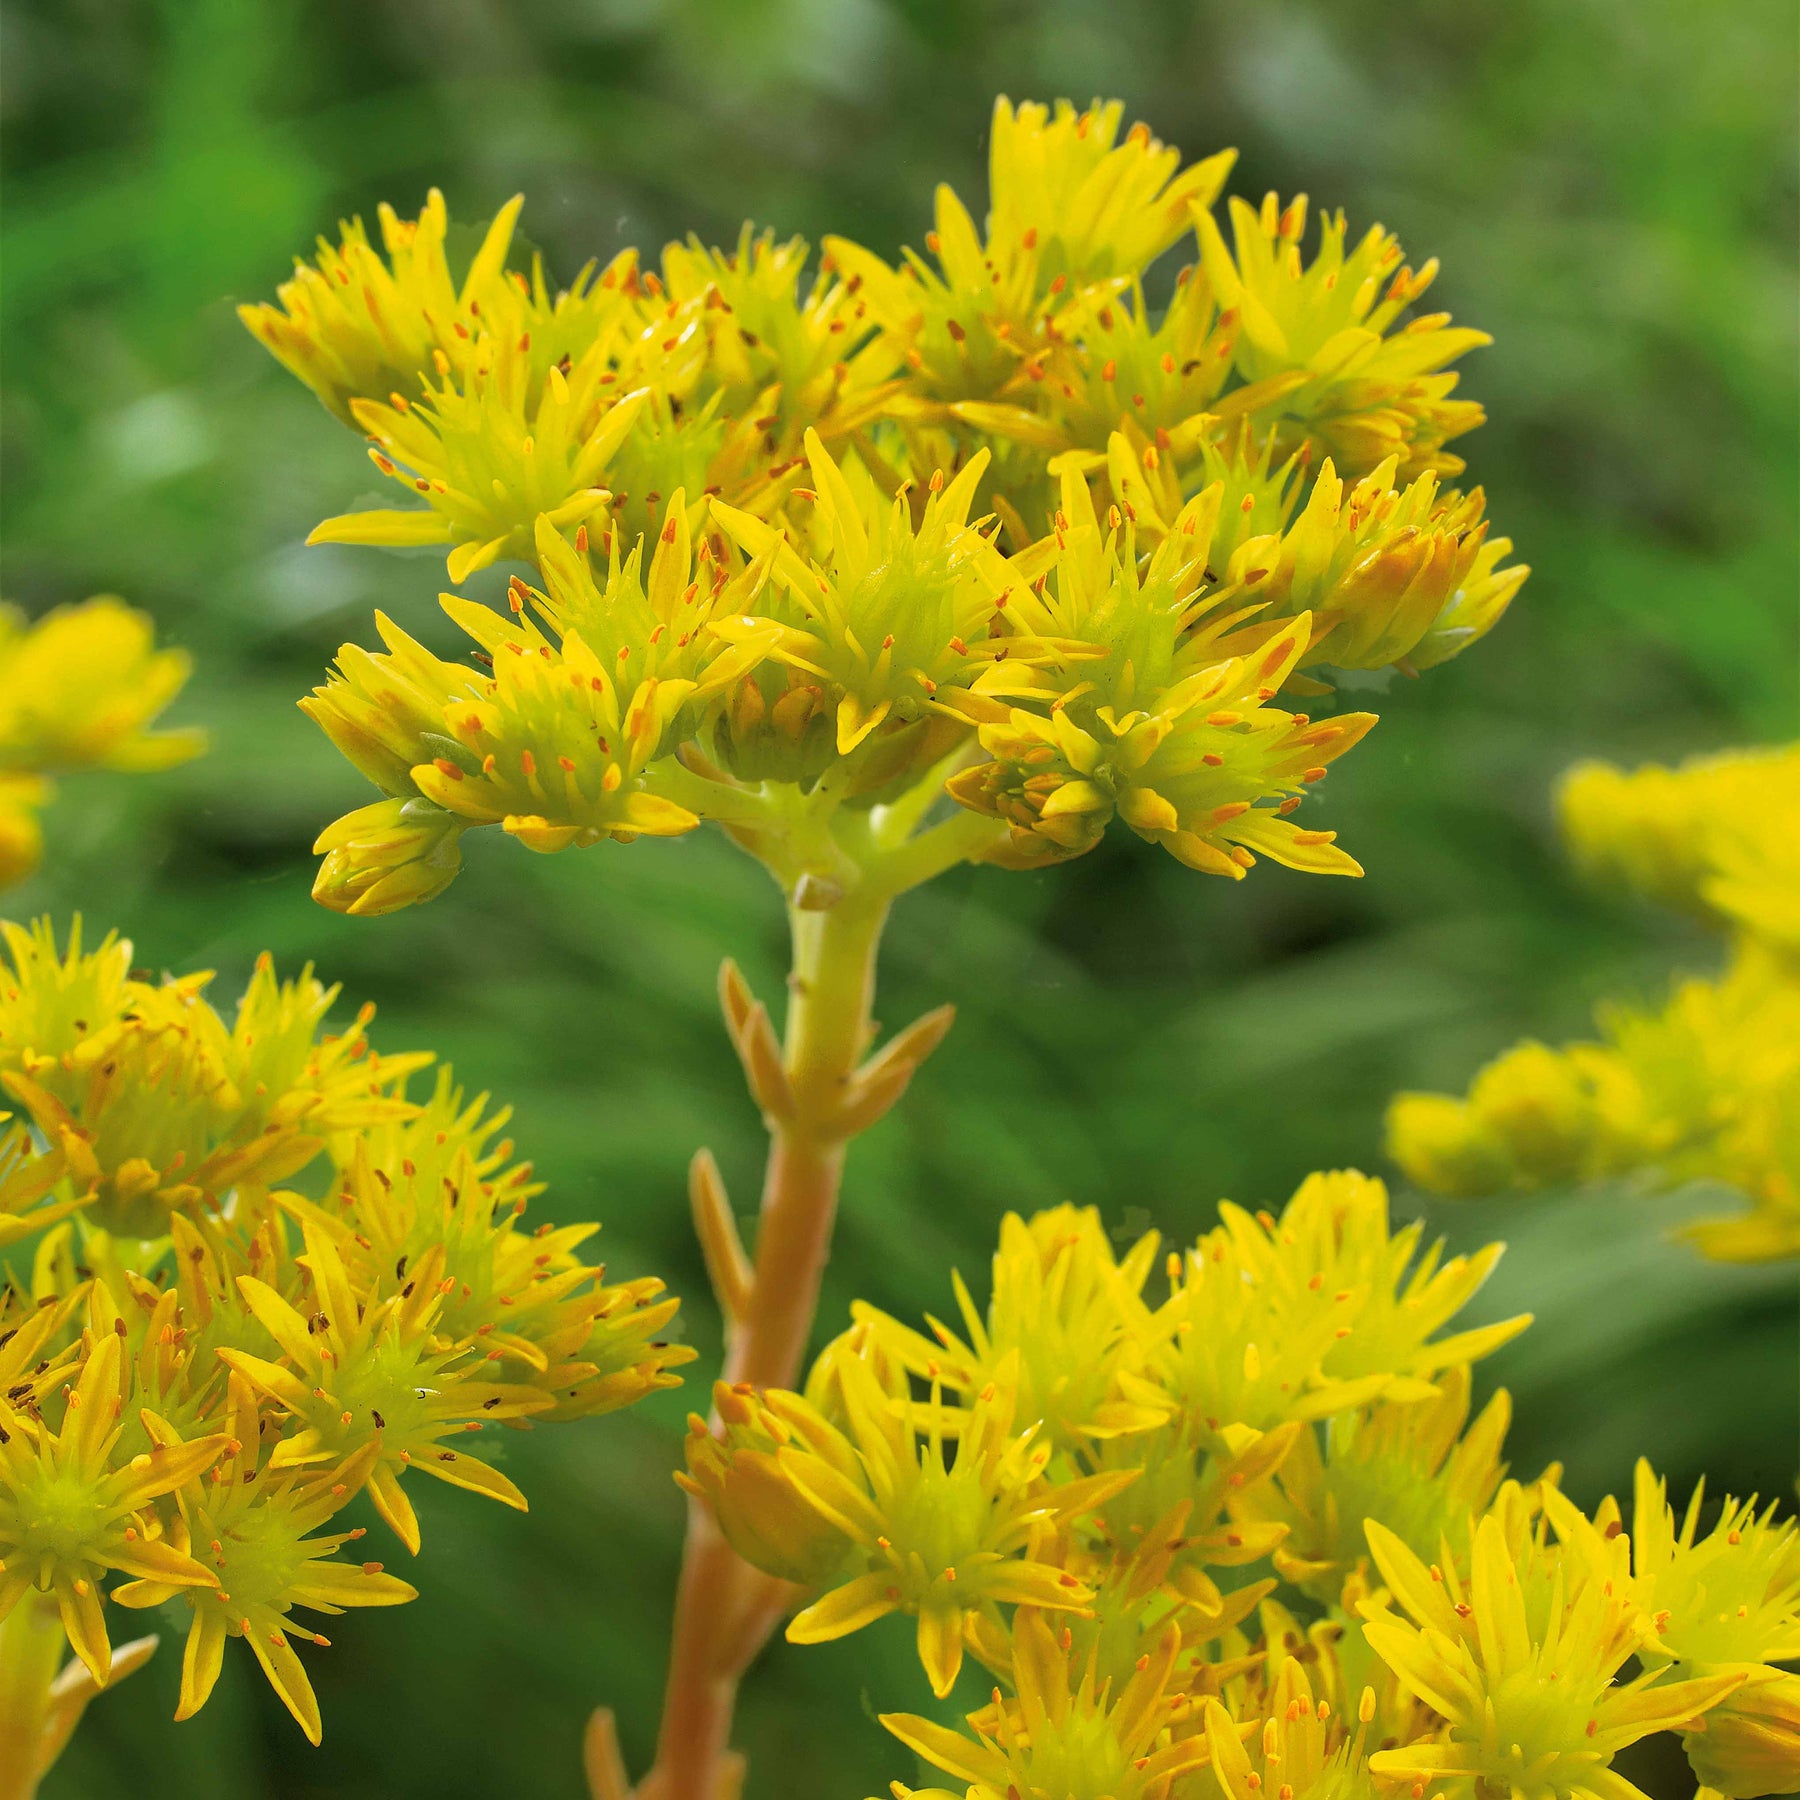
pixel 31 1652
pixel 724 1609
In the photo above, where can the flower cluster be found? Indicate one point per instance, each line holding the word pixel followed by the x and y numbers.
pixel 985 524
pixel 79 689
pixel 1237 1535
pixel 1708 1087
pixel 266 1280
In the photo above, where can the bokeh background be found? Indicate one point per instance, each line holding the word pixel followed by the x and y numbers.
pixel 1610 184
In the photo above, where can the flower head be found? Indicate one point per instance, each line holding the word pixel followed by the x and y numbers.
pixel 1065 1316
pixel 1370 392
pixel 1521 1658
pixel 1315 1312
pixel 1073 211
pixel 1064 1731
pixel 69 1517
pixel 1714 836
pixel 1152 703
pixel 255 1532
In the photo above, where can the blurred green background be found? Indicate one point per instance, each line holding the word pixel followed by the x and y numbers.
pixel 1610 184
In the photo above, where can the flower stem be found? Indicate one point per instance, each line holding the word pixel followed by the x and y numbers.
pixel 724 1609
pixel 31 1652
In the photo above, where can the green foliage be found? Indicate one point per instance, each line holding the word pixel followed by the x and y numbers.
pixel 1609 187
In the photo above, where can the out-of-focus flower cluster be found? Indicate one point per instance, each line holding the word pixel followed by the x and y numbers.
pixel 1245 1539
pixel 992 517
pixel 79 689
pixel 1707 1088
pixel 273 1271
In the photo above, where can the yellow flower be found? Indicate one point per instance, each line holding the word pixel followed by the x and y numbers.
pixel 1709 1087
pixel 68 1518
pixel 1732 1596
pixel 352 1365
pixel 1407 1464
pixel 383 857
pixel 177 1337
pixel 79 689
pixel 490 456
pixel 1065 1315
pixel 357 327
pixel 1370 393
pixel 1064 1732
pixel 1715 836
pixel 945 1539
pixel 1301 1748
pixel 1072 210
pixel 1521 1660
pixel 168 1103
pixel 437 1185
pixel 557 744
pixel 783 361
pixel 1728 1602
pixel 254 1530
pixel 738 1474
pixel 887 616
pixel 1316 1312
pixel 1157 710
pixel 1751 1744
pixel 1114 362
pixel 82 687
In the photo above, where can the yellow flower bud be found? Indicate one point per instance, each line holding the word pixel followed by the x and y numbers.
pixel 386 856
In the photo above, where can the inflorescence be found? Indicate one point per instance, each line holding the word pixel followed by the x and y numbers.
pixel 273 1271
pixel 1706 1089
pixel 988 523
pixel 1238 1538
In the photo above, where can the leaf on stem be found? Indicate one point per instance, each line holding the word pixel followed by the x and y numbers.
pixel 728 1268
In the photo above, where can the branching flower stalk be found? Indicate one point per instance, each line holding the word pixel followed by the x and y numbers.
pixel 959 559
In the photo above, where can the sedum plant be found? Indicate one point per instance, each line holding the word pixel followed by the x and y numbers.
pixel 270 1270
pixel 1235 1534
pixel 893 568
pixel 1708 1088
pixel 81 688
pixel 1064 523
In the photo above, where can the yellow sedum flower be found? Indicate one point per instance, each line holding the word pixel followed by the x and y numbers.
pixel 1315 1312
pixel 876 435
pixel 1063 1732
pixel 355 326
pixel 1726 1601
pixel 1417 1466
pixel 1065 1314
pixel 1369 393
pixel 1073 211
pixel 1428 1627
pixel 79 689
pixel 187 1402
pixel 559 744
pixel 1706 1089
pixel 1520 1658
pixel 1715 836
pixel 1150 706
pixel 489 460
pixel 1300 1747
pixel 940 1536
pixel 68 1515
pixel 892 619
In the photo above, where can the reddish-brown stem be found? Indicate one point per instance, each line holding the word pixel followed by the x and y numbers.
pixel 724 1609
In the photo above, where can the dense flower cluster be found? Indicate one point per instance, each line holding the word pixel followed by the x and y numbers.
pixel 79 689
pixel 987 522
pixel 1062 1491
pixel 267 1279
pixel 1707 1088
